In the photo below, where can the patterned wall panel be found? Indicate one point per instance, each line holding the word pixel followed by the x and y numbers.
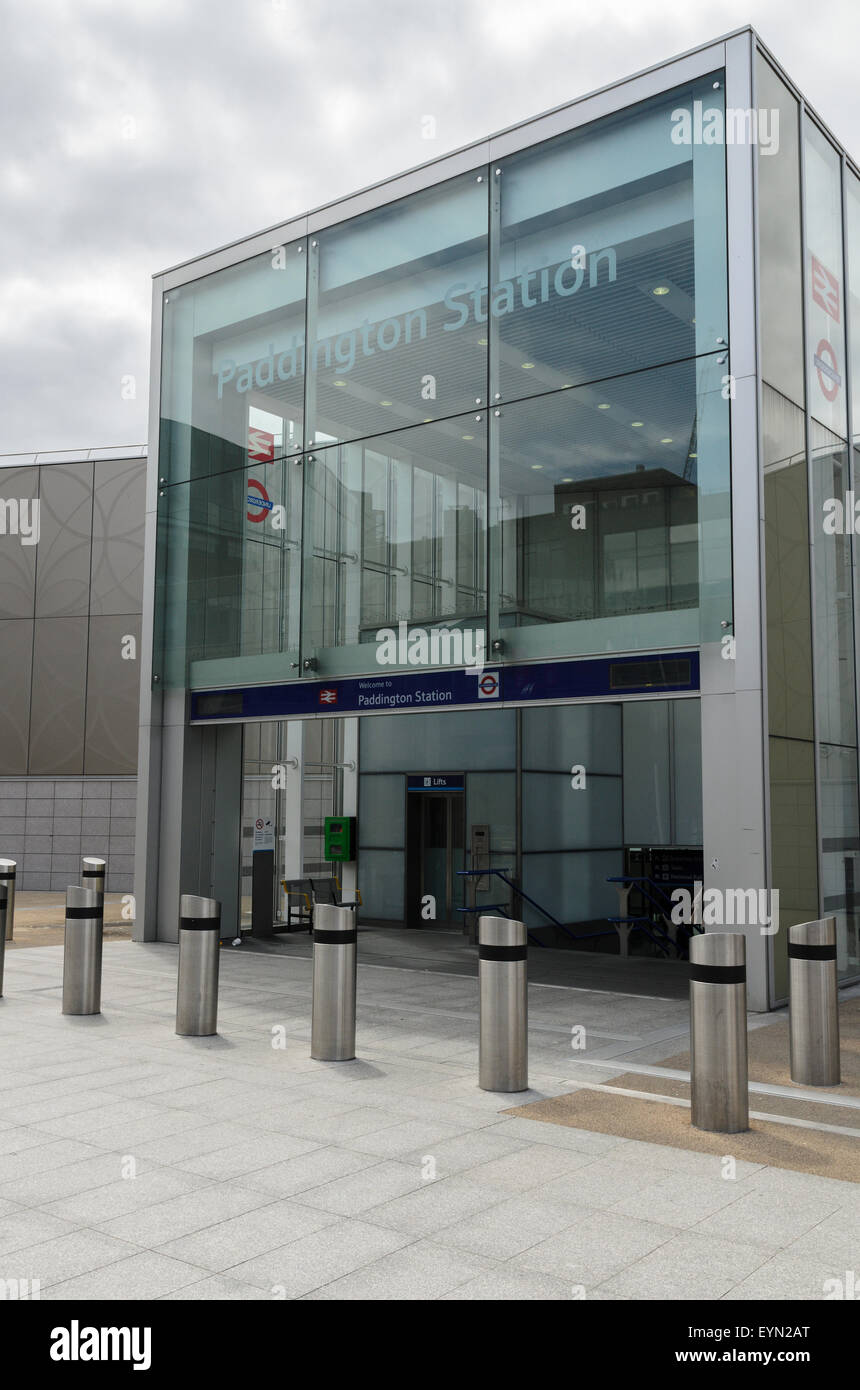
pixel 119 503
pixel 63 563
pixel 113 675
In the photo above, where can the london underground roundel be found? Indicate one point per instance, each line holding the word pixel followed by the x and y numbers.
pixel 264 502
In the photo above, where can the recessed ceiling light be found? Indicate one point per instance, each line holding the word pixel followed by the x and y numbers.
pixel 665 441
pixel 385 402
pixel 604 405
pixel 482 342
pixel 467 436
pixel 428 419
pixel 567 480
pixel 536 467
pixel 339 383
pixel 660 289
pixel 527 366
pixel 693 456
pixel 636 424
pixel 567 386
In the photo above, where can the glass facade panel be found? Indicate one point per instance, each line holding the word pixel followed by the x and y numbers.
pixel 793 824
pixel 400 314
pixel 412 309
pixel 786 529
pixel 825 298
pixel 612 248
pixel 233 344
pixel 794 842
pixel 395 533
pixel 781 310
pixel 840 851
pixel 833 624
pixel 852 266
pixel 229 573
pixel 615 514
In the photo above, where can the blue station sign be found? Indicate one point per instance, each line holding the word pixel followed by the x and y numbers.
pixel 410 691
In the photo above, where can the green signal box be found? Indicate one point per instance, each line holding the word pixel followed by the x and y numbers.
pixel 339 839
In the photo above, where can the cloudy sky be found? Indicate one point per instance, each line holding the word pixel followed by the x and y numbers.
pixel 138 133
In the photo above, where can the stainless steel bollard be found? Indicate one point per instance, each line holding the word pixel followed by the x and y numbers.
pixel 199 956
pixel 813 1010
pixel 7 886
pixel 82 952
pixel 719 1079
pixel 333 1007
pixel 4 906
pixel 93 872
pixel 503 1004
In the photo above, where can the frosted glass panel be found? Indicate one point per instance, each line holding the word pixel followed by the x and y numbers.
pixel 646 773
pixel 438 742
pixel 555 816
pixel 557 737
pixel 687 771
pixel 572 887
pixel 381 884
pixel 381 811
pixel 491 800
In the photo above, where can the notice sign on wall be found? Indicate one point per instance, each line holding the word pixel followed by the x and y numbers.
pixel 264 834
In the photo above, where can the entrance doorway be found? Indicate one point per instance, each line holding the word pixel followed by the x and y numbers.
pixel 435 852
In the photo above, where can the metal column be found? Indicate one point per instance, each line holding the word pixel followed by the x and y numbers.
pixel 93 873
pixel 7 886
pixel 503 1004
pixel 82 952
pixel 199 956
pixel 4 907
pixel 813 1013
pixel 333 1008
pixel 719 1081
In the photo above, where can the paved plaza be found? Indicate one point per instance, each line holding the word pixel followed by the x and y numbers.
pixel 138 1165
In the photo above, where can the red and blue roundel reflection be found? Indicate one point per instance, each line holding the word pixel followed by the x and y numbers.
pixel 263 502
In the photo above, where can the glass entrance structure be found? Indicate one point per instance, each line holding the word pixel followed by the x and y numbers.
pixel 516 468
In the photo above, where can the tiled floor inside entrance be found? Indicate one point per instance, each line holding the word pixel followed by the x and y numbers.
pixel 135 1164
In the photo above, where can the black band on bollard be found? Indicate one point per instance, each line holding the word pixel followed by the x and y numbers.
pixel 92 873
pixel 200 923
pixel 718 974
pixel 80 914
pixel 4 902
pixel 336 938
pixel 799 952
pixel 503 952
pixel 6 874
